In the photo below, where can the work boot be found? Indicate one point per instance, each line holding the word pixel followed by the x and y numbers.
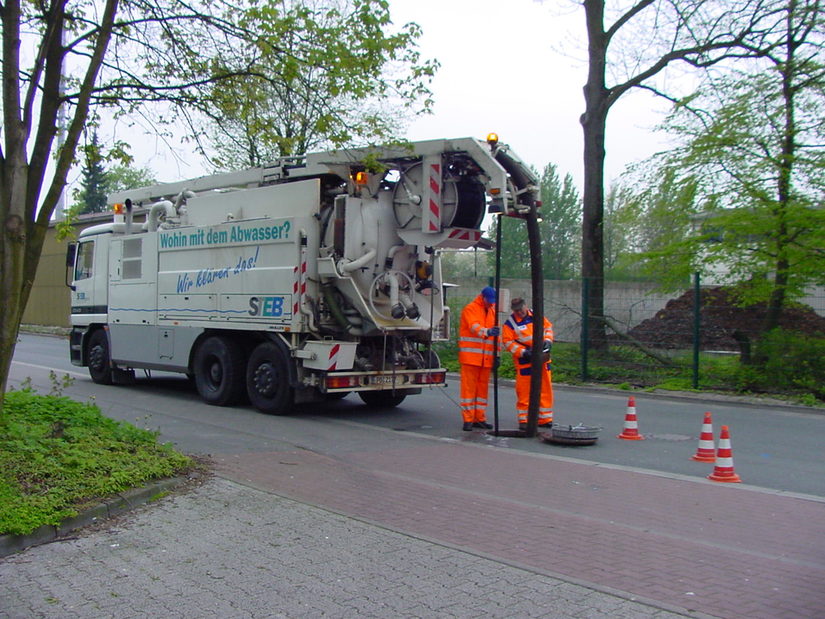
pixel 483 424
pixel 468 425
pixel 546 425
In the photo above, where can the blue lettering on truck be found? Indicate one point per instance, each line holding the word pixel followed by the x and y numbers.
pixel 207 276
pixel 266 306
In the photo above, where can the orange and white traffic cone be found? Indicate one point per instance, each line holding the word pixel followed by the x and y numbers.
pixel 631 427
pixel 706 451
pixel 723 471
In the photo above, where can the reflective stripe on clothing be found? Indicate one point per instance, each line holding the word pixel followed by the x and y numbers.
pixel 473 347
pixel 475 382
pixel 517 335
pixel 545 402
pixel 472 339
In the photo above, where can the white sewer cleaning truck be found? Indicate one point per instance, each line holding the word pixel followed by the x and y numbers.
pixel 304 280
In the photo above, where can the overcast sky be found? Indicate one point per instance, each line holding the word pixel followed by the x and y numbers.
pixel 513 67
pixel 517 68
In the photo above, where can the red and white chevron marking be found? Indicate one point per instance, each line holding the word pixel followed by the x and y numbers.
pixel 295 285
pixel 465 234
pixel 332 362
pixel 299 285
pixel 434 214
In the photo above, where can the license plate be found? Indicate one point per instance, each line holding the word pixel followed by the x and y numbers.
pixel 384 380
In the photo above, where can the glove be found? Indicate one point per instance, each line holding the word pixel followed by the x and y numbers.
pixel 493 331
pixel 526 356
pixel 548 346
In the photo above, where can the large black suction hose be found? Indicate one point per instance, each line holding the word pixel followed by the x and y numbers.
pixel 525 190
pixel 521 177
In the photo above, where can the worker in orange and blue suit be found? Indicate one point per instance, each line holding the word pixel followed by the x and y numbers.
pixel 517 338
pixel 477 333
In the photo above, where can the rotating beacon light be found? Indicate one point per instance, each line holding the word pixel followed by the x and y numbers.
pixel 496 206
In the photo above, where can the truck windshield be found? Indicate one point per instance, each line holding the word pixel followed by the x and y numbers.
pixel 84 260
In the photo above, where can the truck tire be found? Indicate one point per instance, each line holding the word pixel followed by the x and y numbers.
pixel 218 369
pixel 267 380
pixel 98 358
pixel 383 399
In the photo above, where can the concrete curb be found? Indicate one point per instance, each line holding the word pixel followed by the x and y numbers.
pixel 108 508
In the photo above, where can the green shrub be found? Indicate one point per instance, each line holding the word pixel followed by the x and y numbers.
pixel 792 361
pixel 56 454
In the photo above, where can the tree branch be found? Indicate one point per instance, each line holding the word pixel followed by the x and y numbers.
pixel 66 155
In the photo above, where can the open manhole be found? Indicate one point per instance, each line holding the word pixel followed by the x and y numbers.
pixel 571 435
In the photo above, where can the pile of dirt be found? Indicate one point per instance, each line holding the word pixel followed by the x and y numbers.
pixel 722 322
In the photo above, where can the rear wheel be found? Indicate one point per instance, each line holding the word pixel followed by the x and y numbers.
pixel 267 380
pixel 99 360
pixel 218 369
pixel 384 399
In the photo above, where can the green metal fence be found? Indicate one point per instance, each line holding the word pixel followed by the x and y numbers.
pixel 696 338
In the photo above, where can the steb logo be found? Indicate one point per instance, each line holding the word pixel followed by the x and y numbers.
pixel 266 306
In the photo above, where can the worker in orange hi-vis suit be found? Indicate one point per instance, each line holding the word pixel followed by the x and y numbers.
pixel 477 331
pixel 517 337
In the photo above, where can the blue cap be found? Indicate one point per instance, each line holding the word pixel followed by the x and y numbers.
pixel 489 294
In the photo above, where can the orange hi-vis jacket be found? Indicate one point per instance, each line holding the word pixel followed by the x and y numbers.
pixel 516 336
pixel 475 347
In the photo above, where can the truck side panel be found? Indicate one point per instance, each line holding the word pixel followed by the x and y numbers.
pixel 159 348
pixel 133 263
pixel 241 272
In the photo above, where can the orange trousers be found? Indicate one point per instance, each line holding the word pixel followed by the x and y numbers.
pixel 523 395
pixel 475 383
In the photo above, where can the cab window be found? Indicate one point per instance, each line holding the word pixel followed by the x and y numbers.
pixel 84 261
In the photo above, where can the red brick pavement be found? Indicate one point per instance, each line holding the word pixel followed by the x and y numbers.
pixel 721 549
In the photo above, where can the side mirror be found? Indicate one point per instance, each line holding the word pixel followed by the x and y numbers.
pixel 71 254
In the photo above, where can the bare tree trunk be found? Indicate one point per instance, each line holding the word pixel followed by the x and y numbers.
pixel 780 284
pixel 24 161
pixel 593 123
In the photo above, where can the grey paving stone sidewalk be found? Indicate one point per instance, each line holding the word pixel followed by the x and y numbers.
pixel 226 550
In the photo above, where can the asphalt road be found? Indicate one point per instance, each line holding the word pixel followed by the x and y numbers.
pixel 774 447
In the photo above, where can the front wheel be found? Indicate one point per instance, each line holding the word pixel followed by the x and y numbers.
pixel 384 399
pixel 267 380
pixel 99 360
pixel 218 369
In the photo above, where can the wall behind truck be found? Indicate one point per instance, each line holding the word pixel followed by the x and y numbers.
pixel 628 303
pixel 49 303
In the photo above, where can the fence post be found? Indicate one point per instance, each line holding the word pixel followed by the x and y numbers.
pixel 697 323
pixel 585 335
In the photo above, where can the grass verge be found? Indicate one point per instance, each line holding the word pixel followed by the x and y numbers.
pixel 624 367
pixel 57 455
